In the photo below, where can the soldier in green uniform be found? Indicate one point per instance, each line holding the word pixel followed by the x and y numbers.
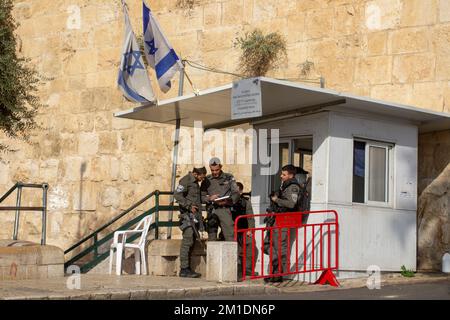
pixel 188 196
pixel 285 200
pixel 220 185
pixel 244 207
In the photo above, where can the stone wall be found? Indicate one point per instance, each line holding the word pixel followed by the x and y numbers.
pixel 97 165
pixel 434 199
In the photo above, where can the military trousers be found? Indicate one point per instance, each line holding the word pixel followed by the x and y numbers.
pixel 226 222
pixel 187 245
pixel 250 251
pixel 279 250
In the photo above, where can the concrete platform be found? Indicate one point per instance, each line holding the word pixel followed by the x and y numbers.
pixel 21 260
pixel 164 257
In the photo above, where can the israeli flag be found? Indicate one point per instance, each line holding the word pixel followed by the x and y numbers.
pixel 160 55
pixel 133 77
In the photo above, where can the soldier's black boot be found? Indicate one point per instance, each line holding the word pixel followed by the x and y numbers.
pixel 276 279
pixel 267 280
pixel 188 273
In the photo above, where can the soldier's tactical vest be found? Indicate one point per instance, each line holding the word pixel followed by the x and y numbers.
pixel 282 189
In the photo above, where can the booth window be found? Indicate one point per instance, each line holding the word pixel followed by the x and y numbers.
pixel 371 172
pixel 296 151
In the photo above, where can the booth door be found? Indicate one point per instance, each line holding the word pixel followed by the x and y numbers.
pixel 296 151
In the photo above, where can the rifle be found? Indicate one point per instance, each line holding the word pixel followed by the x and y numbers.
pixel 305 196
pixel 192 222
pixel 273 208
pixel 194 227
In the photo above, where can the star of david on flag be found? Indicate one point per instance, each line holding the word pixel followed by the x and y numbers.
pixel 133 78
pixel 159 53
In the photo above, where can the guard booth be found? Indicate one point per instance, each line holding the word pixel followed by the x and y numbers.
pixel 361 155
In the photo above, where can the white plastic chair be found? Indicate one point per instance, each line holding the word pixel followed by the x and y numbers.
pixel 139 248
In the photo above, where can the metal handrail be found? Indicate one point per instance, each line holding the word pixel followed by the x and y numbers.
pixel 106 225
pixel 93 248
pixel 18 208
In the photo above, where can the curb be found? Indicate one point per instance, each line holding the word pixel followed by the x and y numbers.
pixel 159 294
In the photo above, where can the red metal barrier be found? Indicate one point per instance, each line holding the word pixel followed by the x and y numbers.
pixel 320 243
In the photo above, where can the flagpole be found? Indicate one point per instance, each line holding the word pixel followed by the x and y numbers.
pixel 175 148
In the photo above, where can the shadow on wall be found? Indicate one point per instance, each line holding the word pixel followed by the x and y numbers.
pixel 80 200
pixel 434 200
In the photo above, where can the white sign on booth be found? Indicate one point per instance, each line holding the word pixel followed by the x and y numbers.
pixel 246 99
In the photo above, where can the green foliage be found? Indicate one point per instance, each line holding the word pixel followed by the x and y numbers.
pixel 18 82
pixel 186 4
pixel 260 52
pixel 306 68
pixel 406 273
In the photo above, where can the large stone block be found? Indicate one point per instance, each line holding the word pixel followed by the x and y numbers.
pixel 311 4
pixel 85 122
pixel 350 46
pixel 414 67
pixel 75 169
pixel 221 261
pixel 376 43
pixel 342 72
pixel 58 197
pixel 232 13
pixel 163 257
pixel 108 142
pixel 443 67
pixel 218 38
pixel 296 27
pixel 88 143
pixel 418 12
pixel 85 196
pixel 190 22
pixel 82 62
pixel 444 10
pixel 441 39
pixel 49 170
pixel 21 260
pixel 183 45
pixel 111 197
pixel 382 14
pixel 264 10
pixel 101 168
pixel 400 93
pixel 374 70
pixel 4 173
pixel 422 98
pixel 319 24
pixel 409 40
pixel 346 19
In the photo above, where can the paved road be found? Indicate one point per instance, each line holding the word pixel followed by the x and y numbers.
pixel 426 291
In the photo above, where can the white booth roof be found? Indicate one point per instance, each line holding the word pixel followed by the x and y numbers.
pixel 279 98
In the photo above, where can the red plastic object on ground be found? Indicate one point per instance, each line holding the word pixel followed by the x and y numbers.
pixel 328 277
